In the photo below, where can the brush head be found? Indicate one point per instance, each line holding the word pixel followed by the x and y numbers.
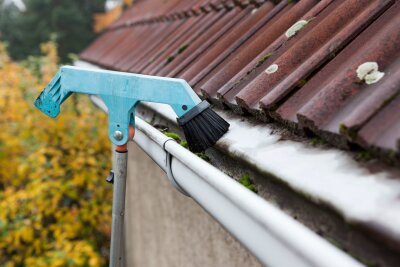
pixel 202 127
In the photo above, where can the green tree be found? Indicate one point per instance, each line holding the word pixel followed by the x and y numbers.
pixel 68 22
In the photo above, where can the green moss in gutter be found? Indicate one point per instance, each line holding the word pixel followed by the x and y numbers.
pixel 182 48
pixel 316 141
pixel 174 136
pixel 248 183
pixel 203 156
pixel 169 59
pixel 263 59
pixel 393 155
pixel 301 83
pixel 351 133
pixel 363 156
pixel 184 144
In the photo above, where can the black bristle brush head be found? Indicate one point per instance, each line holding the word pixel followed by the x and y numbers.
pixel 202 127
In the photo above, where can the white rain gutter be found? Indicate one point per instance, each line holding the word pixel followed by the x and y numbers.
pixel 273 237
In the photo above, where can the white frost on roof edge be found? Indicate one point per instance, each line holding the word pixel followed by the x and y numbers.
pixel 328 176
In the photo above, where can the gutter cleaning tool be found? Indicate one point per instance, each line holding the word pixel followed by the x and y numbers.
pixel 121 92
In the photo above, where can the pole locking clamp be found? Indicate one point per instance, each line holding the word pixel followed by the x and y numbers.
pixel 110 178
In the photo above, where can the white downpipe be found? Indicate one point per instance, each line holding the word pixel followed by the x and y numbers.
pixel 273 237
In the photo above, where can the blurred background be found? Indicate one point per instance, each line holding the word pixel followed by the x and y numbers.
pixel 55 205
pixel 320 159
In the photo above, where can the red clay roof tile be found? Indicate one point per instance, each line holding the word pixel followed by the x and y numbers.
pixel 331 66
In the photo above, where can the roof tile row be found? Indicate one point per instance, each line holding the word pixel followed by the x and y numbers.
pixel 331 67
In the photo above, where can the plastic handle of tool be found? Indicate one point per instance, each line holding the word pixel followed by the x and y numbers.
pixel 120 91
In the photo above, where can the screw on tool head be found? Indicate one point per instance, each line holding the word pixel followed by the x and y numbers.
pixel 118 135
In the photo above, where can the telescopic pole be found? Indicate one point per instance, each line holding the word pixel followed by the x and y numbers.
pixel 118 208
pixel 118 178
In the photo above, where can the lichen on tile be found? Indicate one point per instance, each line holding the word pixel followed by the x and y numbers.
pixel 272 69
pixel 369 72
pixel 295 28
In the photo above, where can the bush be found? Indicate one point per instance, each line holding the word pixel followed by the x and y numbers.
pixel 55 206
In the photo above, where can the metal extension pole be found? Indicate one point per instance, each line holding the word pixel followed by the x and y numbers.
pixel 118 208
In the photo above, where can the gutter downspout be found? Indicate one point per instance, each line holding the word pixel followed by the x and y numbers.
pixel 269 234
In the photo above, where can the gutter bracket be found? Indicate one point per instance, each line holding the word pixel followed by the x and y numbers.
pixel 169 173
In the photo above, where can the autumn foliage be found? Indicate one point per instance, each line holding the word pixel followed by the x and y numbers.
pixel 55 206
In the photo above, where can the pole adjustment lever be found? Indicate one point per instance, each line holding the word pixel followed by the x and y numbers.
pixel 110 177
